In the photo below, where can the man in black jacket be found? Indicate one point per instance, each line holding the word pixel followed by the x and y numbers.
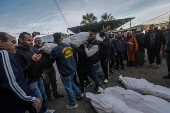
pixel 14 94
pixel 152 41
pixel 104 54
pixel 49 71
pixel 166 47
pixel 120 47
pixel 29 62
pixel 92 52
pixel 140 53
pixel 82 66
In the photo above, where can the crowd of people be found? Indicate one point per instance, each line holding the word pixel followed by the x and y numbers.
pixel 28 74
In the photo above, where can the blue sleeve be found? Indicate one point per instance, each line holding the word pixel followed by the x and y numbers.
pixel 53 55
pixel 13 83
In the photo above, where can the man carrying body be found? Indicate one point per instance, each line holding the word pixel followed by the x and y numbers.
pixel 92 52
pixel 63 55
pixel 49 71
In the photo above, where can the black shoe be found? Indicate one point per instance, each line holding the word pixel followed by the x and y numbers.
pixel 49 98
pixel 118 69
pixel 96 91
pixel 77 84
pixel 110 71
pixel 99 75
pixel 122 68
pixel 82 90
pixel 88 84
pixel 58 95
pixel 150 66
pixel 80 96
pixel 166 77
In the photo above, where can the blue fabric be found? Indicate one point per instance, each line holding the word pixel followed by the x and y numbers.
pixel 120 45
pixel 37 88
pixel 166 41
pixel 14 93
pixel 94 74
pixel 63 55
pixel 70 87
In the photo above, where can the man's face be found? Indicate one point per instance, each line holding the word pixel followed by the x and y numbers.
pixel 38 41
pixel 10 44
pixel 92 35
pixel 119 33
pixel 27 41
pixel 103 37
pixel 151 28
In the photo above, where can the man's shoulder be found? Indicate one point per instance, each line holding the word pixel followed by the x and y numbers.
pixel 166 32
pixel 7 54
pixel 107 39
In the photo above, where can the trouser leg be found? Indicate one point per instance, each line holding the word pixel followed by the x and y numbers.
pixel 167 56
pixel 151 55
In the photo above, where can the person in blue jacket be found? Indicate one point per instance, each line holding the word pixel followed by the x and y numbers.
pixel 63 55
pixel 14 94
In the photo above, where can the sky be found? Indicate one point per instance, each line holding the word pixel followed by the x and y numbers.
pixel 18 16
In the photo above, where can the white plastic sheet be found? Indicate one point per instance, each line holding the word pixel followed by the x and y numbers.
pixel 66 40
pixel 143 103
pixel 47 47
pixel 145 87
pixel 79 38
pixel 99 38
pixel 109 104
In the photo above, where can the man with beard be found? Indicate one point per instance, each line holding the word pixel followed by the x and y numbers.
pixel 92 52
pixel 120 47
pixel 14 96
pixel 132 47
pixel 49 71
pixel 152 41
pixel 29 63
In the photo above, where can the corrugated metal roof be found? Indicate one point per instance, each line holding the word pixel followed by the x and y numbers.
pixel 114 24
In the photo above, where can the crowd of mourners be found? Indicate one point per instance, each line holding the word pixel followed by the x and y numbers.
pixel 28 76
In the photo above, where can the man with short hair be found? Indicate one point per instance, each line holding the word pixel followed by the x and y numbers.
pixel 152 41
pixel 92 52
pixel 37 43
pixel 49 71
pixel 29 62
pixel 15 96
pixel 166 46
pixel 63 55
pixel 104 54
pixel 120 46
